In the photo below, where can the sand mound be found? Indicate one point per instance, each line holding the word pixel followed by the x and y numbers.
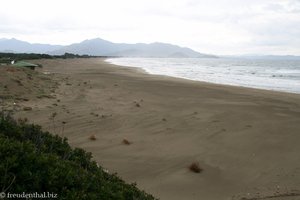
pixel 19 84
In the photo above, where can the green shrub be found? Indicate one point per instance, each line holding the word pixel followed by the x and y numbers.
pixel 36 161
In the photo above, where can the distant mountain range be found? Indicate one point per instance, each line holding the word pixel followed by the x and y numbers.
pixel 18 46
pixel 100 47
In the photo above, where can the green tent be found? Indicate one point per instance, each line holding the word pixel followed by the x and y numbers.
pixel 25 64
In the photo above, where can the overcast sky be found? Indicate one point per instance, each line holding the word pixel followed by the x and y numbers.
pixel 209 26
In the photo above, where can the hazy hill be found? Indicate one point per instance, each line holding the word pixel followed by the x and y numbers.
pixel 100 47
pixel 18 46
pixel 90 47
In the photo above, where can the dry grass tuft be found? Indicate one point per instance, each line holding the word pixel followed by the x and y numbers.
pixel 194 167
pixel 22 120
pixel 92 137
pixel 27 108
pixel 126 142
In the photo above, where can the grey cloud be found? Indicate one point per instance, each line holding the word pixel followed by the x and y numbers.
pixel 275 7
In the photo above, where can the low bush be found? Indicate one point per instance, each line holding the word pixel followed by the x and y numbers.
pixel 36 161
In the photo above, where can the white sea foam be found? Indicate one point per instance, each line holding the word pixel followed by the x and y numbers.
pixel 279 75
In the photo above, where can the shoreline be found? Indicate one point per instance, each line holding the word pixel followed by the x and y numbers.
pixel 203 81
pixel 143 72
pixel 244 139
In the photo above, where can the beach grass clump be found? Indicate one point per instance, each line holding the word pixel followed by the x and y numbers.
pixel 22 120
pixel 126 142
pixel 27 108
pixel 195 167
pixel 93 137
pixel 36 161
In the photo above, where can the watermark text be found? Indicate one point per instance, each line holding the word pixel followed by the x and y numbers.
pixel 32 195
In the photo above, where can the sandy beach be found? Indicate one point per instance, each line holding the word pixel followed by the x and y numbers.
pixel 246 141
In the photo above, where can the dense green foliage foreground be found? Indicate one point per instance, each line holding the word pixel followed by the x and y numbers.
pixel 35 161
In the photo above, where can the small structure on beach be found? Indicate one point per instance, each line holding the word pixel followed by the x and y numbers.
pixel 24 64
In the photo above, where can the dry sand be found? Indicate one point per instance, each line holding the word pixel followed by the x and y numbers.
pixel 245 140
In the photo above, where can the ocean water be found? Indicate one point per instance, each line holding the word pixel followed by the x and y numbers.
pixel 278 75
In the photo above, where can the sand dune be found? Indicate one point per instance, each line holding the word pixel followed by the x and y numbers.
pixel 245 140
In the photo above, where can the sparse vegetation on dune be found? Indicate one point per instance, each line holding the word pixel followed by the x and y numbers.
pixel 23 84
pixel 36 161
